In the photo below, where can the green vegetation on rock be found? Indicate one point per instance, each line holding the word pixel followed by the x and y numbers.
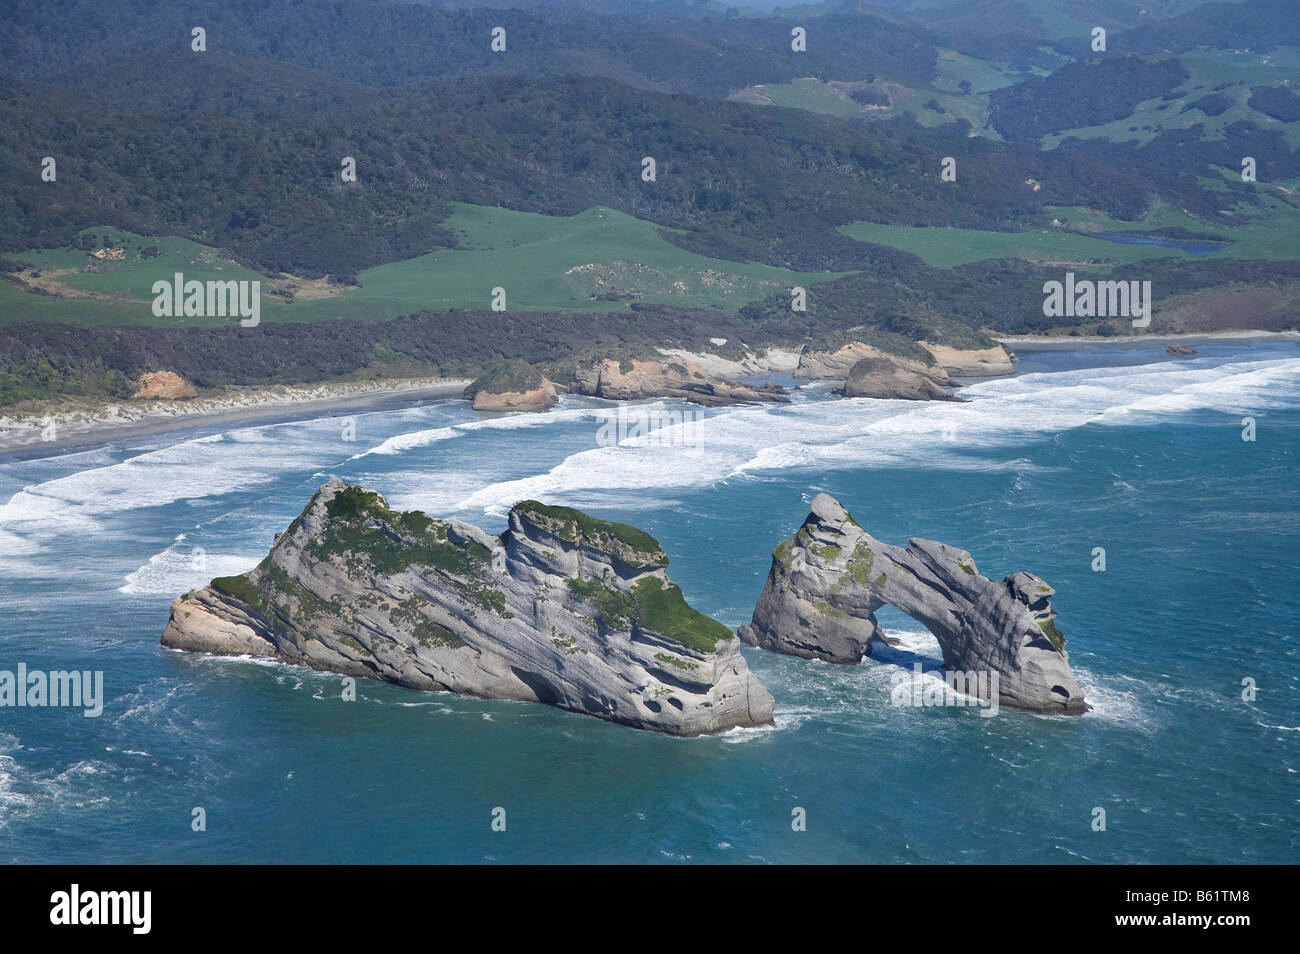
pixel 1054 635
pixel 429 634
pixel 615 608
pixel 347 535
pixel 827 610
pixel 242 588
pixel 661 608
pixel 674 661
pixel 860 564
pixel 513 376
pixel 783 554
pixel 573 525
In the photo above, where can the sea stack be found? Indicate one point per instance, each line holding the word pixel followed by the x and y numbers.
pixel 513 386
pixel 561 608
pixel 888 378
pixel 828 580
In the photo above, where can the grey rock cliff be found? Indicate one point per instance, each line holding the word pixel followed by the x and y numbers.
pixel 828 580
pixel 562 609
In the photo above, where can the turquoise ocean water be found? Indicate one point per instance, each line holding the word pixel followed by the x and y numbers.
pixel 1083 448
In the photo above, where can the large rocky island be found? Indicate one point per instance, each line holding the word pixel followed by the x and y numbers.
pixel 561 608
pixel 828 580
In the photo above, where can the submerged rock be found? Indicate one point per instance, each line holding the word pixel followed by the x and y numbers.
pixel 561 608
pixel 828 580
pixel 886 377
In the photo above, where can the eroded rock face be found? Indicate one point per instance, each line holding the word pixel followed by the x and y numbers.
pixel 164 385
pixel 513 386
pixel 815 365
pixel 972 362
pixel 886 377
pixel 828 580
pixel 561 609
pixel 541 398
pixel 681 378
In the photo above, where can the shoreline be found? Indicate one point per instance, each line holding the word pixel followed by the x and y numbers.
pixel 1018 343
pixel 96 426
pixel 80 428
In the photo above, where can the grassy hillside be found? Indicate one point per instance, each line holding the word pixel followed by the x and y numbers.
pixel 597 261
pixel 959 90
pixel 1272 233
pixel 1214 96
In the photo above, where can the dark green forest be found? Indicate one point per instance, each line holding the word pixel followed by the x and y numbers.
pixel 764 184
pixel 240 147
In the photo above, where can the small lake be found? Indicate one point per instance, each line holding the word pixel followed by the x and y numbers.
pixel 1191 248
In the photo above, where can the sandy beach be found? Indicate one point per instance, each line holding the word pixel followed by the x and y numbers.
pixel 1043 343
pixel 73 426
pixel 69 427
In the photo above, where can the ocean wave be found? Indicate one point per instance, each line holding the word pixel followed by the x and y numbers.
pixel 1112 704
pixel 401 443
pixel 181 567
pixel 191 470
pixel 24 791
pixel 718 445
pixel 1000 413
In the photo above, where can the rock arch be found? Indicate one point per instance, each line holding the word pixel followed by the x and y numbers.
pixel 828 580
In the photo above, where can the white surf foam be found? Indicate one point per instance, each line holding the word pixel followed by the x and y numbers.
pixel 183 567
pixel 732 443
pixel 1001 414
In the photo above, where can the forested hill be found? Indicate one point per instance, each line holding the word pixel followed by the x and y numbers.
pixel 1260 25
pixel 923 170
pixel 240 147
pixel 745 182
pixel 675 48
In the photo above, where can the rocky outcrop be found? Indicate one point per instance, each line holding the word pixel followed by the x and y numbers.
pixel 747 365
pixel 541 398
pixel 513 386
pixel 886 377
pixel 561 608
pixel 164 385
pixel 972 362
pixel 680 378
pixel 822 365
pixel 828 580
